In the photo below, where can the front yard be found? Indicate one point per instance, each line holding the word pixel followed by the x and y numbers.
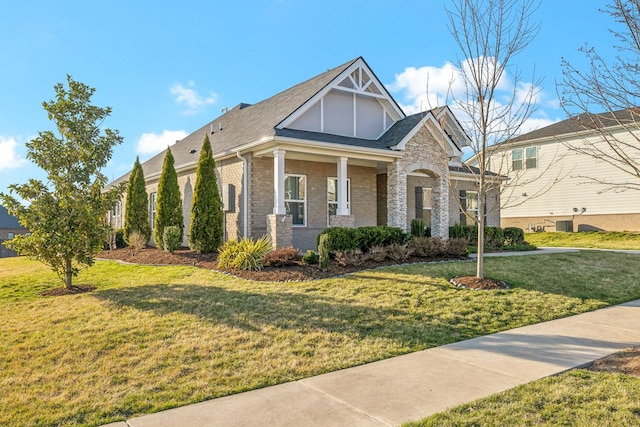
pixel 152 338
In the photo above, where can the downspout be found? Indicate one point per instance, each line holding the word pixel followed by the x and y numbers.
pixel 245 195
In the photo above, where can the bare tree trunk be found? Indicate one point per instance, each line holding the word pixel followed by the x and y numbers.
pixel 481 222
pixel 68 273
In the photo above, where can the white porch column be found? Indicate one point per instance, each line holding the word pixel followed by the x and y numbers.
pixel 342 187
pixel 278 182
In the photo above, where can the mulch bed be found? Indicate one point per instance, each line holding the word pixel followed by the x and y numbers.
pixel 624 362
pixel 74 289
pixel 298 272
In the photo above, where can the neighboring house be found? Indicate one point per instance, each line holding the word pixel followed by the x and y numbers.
pixel 9 228
pixel 335 150
pixel 553 187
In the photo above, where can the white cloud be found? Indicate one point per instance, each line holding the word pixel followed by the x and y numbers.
pixel 191 99
pixel 152 143
pixel 427 87
pixel 9 157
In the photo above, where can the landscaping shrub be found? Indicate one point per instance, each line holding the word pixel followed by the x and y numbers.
pixel 513 236
pixel 350 257
pixel 323 251
pixel 115 240
pixel 310 257
pixel 378 253
pixel 428 246
pixel 419 228
pixel 493 237
pixel 137 241
pixel 282 256
pixel 456 247
pixel 398 252
pixel 171 238
pixel 244 254
pixel 363 238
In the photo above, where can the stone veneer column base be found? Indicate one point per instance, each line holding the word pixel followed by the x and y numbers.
pixel 280 230
pixel 348 221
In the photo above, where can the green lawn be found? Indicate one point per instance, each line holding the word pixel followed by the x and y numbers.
pixel 592 239
pixel 576 398
pixel 152 338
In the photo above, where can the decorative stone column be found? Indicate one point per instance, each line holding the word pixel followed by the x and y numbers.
pixel 440 211
pixel 280 230
pixel 396 195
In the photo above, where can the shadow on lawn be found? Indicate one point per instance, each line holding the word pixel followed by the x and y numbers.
pixel 252 311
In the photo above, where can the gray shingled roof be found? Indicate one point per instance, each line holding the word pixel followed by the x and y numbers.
pixel 246 123
pixel 579 123
pixel 8 221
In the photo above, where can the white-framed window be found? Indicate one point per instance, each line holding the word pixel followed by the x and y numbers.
pixel 10 236
pixel 115 211
pixel 152 208
pixel 531 157
pixel 472 203
pixel 295 198
pixel 516 159
pixel 332 197
pixel 427 204
pixel 469 205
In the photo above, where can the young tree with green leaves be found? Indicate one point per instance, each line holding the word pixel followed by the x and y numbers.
pixel 168 203
pixel 66 215
pixel 205 231
pixel 136 214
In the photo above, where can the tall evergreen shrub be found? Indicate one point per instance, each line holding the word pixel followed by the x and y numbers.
pixel 205 231
pixel 136 214
pixel 168 203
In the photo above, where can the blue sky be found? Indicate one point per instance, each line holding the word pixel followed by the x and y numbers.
pixel 167 68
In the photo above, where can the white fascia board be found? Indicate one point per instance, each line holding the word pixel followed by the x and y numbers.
pixel 359 63
pixel 452 119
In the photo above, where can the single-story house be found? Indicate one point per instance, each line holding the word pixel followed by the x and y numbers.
pixel 554 186
pixel 335 150
pixel 9 228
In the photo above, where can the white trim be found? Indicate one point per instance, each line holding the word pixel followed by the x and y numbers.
pixel 334 84
pixel 428 117
pixel 336 202
pixel 303 201
pixel 278 182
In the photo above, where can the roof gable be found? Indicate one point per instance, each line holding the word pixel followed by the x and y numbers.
pixel 442 117
pixel 354 104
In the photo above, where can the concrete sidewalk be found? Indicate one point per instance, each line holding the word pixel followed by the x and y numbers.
pixel 413 386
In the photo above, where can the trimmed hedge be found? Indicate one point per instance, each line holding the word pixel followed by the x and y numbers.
pixel 363 238
pixel 495 237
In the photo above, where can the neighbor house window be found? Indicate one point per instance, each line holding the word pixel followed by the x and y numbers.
pixel 295 198
pixel 469 205
pixel 332 197
pixel 152 208
pixel 10 236
pixel 531 157
pixel 115 211
pixel 516 159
